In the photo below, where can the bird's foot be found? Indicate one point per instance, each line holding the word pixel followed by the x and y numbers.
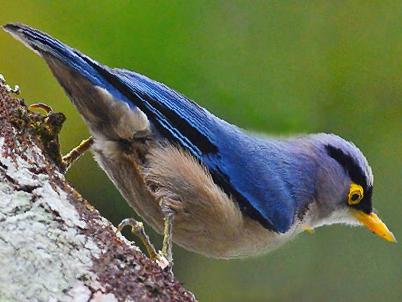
pixel 41 107
pixel 137 228
pixel 77 152
pixel 48 127
pixel 49 131
pixel 164 257
pixel 15 90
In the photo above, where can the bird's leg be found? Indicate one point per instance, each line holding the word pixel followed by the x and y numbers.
pixel 77 152
pixel 137 228
pixel 168 216
pixel 164 257
pixel 50 130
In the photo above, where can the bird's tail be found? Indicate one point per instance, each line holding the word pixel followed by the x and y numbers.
pixel 84 80
pixel 47 47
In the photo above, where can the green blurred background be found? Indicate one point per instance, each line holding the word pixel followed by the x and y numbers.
pixel 275 67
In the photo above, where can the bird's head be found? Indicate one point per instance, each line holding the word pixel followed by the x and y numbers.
pixel 345 186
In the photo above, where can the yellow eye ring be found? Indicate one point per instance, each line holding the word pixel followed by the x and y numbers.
pixel 355 194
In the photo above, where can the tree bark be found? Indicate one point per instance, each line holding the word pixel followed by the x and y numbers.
pixel 54 246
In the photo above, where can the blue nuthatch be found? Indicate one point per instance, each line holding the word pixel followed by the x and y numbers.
pixel 228 193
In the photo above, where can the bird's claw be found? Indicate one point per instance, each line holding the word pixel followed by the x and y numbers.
pixel 137 228
pixel 163 263
pixel 51 127
pixel 42 107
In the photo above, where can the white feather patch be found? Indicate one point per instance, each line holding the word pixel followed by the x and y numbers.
pixel 129 121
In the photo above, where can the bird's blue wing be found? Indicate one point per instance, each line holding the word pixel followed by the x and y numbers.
pixel 231 156
pixel 234 159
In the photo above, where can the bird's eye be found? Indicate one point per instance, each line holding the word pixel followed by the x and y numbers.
pixel 355 194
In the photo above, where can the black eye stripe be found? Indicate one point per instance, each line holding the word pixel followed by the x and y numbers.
pixel 356 174
pixel 349 164
pixel 365 204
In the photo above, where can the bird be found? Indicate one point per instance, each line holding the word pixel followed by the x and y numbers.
pixel 206 184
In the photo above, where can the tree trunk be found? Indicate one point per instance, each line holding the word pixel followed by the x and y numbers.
pixel 54 246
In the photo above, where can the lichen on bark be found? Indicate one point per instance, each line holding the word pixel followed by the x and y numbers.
pixel 54 246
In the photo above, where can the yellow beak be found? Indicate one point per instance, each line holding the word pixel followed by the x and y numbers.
pixel 374 224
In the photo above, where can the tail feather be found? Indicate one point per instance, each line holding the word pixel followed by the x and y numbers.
pixel 46 46
pixel 102 106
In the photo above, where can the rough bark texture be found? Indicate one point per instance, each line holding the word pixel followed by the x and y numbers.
pixel 54 246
